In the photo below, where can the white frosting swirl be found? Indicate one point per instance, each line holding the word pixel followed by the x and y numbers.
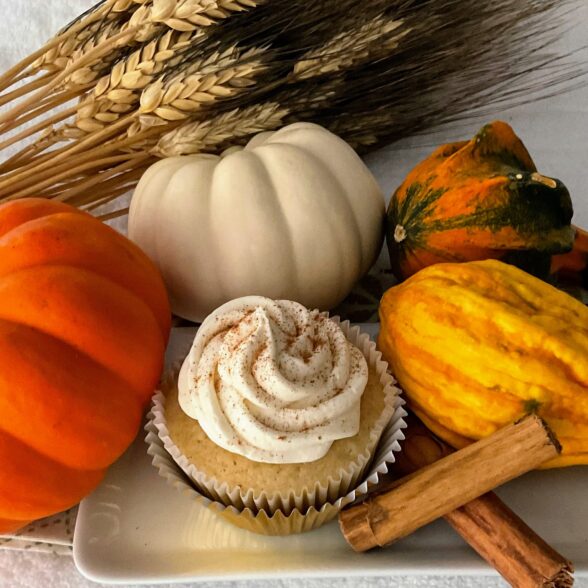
pixel 273 381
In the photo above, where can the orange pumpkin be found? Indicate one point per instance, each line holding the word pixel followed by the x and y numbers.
pixel 84 320
pixel 478 199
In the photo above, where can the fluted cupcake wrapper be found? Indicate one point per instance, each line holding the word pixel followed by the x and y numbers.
pixel 282 514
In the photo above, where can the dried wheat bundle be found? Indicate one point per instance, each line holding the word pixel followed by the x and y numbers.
pixel 133 80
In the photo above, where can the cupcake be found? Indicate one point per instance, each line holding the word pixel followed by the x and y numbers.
pixel 276 410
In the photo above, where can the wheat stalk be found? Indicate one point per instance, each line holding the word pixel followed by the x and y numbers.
pixel 154 17
pixel 170 77
pixel 199 84
pixel 188 15
pixel 112 17
pixel 116 93
pixel 80 193
pixel 220 76
pixel 84 77
pixel 212 134
pixel 56 82
pixel 96 26
pixel 30 65
pixel 70 171
pixel 352 47
pixel 119 92
pixel 182 15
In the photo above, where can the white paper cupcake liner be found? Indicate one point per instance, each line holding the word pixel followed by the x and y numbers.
pixel 297 511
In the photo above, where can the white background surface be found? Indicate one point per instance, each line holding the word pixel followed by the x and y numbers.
pixel 555 132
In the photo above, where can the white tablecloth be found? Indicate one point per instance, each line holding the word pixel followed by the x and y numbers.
pixel 555 132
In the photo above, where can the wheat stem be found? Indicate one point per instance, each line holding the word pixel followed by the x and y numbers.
pixel 58 192
pixel 70 171
pixel 171 77
pixel 95 53
pixel 57 118
pixel 33 158
pixel 55 192
pixel 27 74
pixel 112 215
pixel 43 107
pixel 98 154
pixel 27 88
pixel 103 194
pixel 116 186
pixel 109 196
pixel 23 177
pixel 8 78
pixel 16 160
pixel 47 105
pixel 100 179
pixel 67 152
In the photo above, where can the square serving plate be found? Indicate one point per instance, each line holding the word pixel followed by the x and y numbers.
pixel 135 528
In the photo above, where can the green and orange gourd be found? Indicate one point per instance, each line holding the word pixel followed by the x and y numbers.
pixel 479 199
pixel 84 321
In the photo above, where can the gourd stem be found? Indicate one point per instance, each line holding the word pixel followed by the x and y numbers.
pixel 541 179
pixel 399 234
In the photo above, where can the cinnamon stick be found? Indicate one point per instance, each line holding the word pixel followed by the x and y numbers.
pixel 448 484
pixel 514 550
pixel 490 527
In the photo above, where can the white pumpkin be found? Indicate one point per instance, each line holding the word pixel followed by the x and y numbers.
pixel 294 215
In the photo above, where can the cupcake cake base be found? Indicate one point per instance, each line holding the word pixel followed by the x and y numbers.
pixel 266 478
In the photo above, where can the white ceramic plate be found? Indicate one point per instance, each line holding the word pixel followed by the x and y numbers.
pixel 136 529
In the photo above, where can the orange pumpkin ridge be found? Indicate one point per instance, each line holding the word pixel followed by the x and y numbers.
pixel 82 414
pixel 18 212
pixel 33 485
pixel 92 314
pixel 46 241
